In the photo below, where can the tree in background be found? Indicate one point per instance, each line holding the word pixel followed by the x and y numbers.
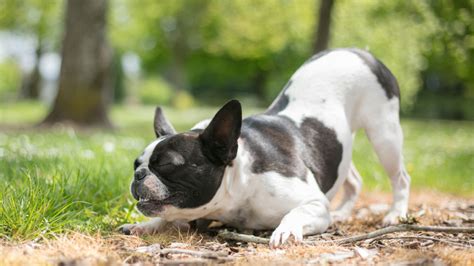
pixel 448 78
pixel 322 33
pixel 38 19
pixel 82 96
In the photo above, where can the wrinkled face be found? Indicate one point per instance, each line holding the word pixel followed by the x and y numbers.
pixel 185 170
pixel 174 170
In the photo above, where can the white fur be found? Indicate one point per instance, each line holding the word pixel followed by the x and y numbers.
pixel 160 190
pixel 144 159
pixel 352 187
pixel 339 90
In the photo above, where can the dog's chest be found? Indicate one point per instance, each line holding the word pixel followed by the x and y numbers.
pixel 260 201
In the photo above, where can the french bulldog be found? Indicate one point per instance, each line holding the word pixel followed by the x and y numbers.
pixel 281 168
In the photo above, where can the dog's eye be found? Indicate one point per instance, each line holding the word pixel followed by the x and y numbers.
pixel 163 169
pixel 166 166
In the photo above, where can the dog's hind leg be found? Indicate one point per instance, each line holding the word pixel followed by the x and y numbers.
pixel 352 186
pixel 385 134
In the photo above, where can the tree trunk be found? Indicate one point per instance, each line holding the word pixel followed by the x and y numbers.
pixel 324 25
pixel 85 68
pixel 259 81
pixel 30 89
pixel 177 73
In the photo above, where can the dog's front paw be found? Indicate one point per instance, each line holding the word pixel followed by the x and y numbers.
pixel 340 215
pixel 131 229
pixel 393 217
pixel 138 229
pixel 283 232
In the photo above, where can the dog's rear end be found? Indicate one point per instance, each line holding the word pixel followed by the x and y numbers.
pixel 348 90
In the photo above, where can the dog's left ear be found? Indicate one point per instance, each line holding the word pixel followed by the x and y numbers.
pixel 219 139
pixel 161 125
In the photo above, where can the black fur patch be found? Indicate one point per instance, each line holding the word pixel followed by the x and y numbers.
pixel 384 76
pixel 275 145
pixel 280 102
pixel 323 152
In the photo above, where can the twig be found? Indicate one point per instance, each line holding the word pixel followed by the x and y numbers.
pixel 446 241
pixel 404 228
pixel 387 230
pixel 224 234
pixel 201 254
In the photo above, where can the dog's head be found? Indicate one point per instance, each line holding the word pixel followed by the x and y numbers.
pixel 185 170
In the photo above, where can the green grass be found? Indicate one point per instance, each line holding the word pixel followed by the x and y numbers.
pixel 52 181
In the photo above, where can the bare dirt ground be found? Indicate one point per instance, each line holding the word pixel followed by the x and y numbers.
pixel 405 248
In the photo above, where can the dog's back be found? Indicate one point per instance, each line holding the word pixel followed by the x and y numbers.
pixel 311 124
pixel 342 82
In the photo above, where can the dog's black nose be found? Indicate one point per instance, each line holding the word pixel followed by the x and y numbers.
pixel 140 174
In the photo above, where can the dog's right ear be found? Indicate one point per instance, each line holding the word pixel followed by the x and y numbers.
pixel 161 125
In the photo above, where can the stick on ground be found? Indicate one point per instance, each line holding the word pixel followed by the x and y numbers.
pixel 404 228
pixel 195 253
pixel 387 230
pixel 446 241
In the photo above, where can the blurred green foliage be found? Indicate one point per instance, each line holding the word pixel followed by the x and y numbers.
pixel 450 52
pixel 213 50
pixel 448 80
pixel 10 78
pixel 234 48
pixel 225 48
pixel 37 17
pixel 155 90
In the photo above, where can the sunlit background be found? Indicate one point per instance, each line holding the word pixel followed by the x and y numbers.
pixel 190 53
pixel 192 56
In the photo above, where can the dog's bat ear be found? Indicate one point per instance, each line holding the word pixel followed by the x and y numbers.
pixel 219 139
pixel 161 125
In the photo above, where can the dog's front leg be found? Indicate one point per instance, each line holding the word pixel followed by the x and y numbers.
pixel 151 227
pixel 310 218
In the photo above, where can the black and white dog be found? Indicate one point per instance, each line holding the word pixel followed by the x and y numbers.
pixel 279 169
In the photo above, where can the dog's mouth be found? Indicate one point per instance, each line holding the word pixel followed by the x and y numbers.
pixel 150 207
pixel 154 207
pixel 153 201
